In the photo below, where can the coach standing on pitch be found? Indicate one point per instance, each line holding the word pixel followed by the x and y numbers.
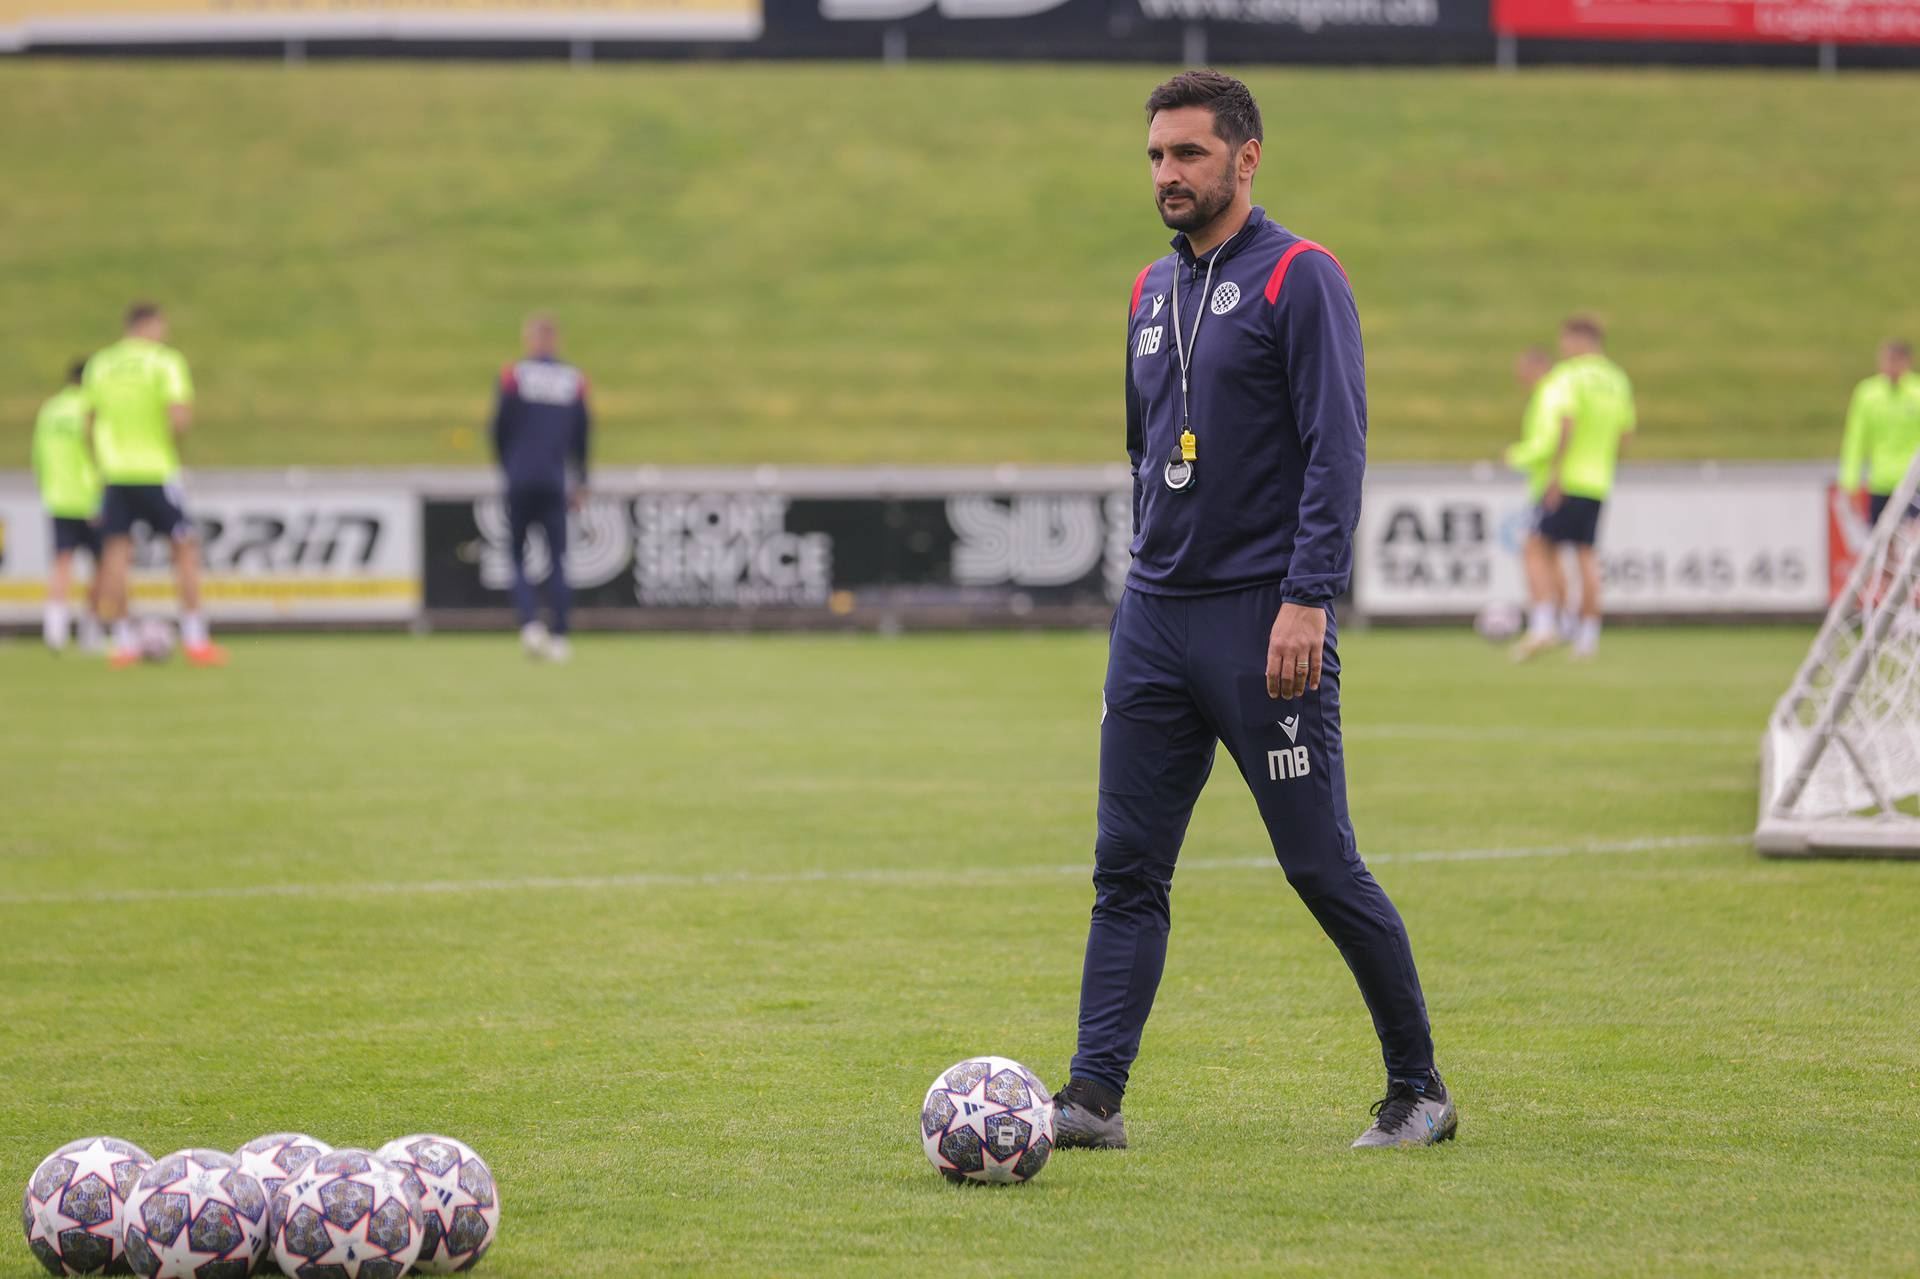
pixel 1246 427
pixel 540 425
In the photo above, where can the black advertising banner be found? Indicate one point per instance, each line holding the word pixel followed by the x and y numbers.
pixel 798 559
pixel 1146 30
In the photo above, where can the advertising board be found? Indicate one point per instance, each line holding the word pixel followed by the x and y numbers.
pixel 272 553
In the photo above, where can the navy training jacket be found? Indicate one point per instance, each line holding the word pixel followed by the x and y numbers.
pixel 540 424
pixel 1278 392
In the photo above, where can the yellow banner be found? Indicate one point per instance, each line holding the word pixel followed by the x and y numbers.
pixel 27 22
pixel 278 590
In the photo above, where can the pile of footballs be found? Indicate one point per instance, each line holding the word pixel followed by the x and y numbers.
pixel 104 1206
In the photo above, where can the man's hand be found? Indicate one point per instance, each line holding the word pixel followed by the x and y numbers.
pixel 1294 650
pixel 1552 498
pixel 577 499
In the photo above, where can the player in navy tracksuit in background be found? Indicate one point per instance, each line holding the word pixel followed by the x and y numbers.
pixel 1246 426
pixel 540 436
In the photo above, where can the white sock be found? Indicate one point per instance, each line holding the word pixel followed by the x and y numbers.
pixel 89 631
pixel 53 627
pixel 1540 621
pixel 123 636
pixel 1587 638
pixel 1569 624
pixel 193 630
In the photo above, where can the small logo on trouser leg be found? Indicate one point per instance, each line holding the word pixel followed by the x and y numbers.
pixel 1287 763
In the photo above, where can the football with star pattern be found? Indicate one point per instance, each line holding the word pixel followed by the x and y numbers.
pixel 987 1119
pixel 277 1156
pixel 75 1208
pixel 459 1203
pixel 346 1215
pixel 196 1215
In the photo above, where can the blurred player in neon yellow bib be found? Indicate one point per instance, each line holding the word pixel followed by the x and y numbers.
pixel 70 490
pixel 1579 418
pixel 1883 430
pixel 1530 369
pixel 142 397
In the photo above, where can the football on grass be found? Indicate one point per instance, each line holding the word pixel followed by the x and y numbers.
pixel 76 1203
pixel 196 1215
pixel 156 639
pixel 346 1215
pixel 987 1119
pixel 274 1158
pixel 459 1204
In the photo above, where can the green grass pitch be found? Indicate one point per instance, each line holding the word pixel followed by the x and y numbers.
pixel 856 263
pixel 678 935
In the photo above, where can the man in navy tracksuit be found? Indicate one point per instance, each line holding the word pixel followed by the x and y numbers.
pixel 540 427
pixel 1246 426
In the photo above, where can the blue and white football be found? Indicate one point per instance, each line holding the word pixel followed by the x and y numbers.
pixel 459 1200
pixel 74 1212
pixel 987 1119
pixel 196 1215
pixel 346 1215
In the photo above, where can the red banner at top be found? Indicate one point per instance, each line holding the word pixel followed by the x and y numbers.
pixel 1739 21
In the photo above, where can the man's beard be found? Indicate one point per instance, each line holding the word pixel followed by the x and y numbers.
pixel 1203 206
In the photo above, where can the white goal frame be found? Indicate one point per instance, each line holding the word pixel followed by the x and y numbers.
pixel 1841 753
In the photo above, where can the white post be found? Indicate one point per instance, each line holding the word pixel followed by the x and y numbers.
pixel 580 53
pixel 1193 45
pixel 1506 52
pixel 893 46
pixel 1829 57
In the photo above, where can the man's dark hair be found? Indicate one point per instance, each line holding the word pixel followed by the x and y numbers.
pixel 76 371
pixel 1899 349
pixel 1236 116
pixel 1585 326
pixel 141 312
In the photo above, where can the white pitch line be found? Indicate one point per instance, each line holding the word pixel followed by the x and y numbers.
pixel 1362 731
pixel 722 879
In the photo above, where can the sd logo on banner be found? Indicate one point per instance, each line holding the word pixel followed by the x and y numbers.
pixel 982 553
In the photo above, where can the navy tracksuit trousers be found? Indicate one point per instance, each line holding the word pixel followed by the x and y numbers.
pixel 547 510
pixel 1183 672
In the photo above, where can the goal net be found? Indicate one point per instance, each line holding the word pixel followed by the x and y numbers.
pixel 1840 763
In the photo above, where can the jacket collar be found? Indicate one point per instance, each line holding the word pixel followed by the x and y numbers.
pixel 1234 243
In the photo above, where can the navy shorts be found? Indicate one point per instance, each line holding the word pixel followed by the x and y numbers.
pixel 70 534
pixel 1877 503
pixel 155 505
pixel 1577 521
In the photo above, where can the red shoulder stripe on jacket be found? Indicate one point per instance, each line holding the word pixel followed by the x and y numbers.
pixel 1139 283
pixel 1279 275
